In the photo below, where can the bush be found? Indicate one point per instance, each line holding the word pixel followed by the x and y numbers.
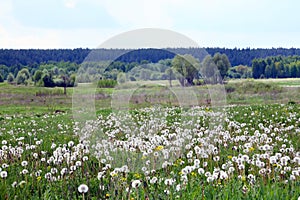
pixel 107 83
pixel 229 88
pixel 23 76
pixel 10 78
pixel 48 81
pixel 199 82
pixel 121 77
pixel 60 82
pixel 37 76
pixel 1 79
pixel 252 87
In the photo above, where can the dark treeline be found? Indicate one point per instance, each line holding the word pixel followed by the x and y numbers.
pixel 10 57
pixel 31 57
pixel 276 67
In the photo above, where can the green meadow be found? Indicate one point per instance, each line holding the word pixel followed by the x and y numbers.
pixel 248 148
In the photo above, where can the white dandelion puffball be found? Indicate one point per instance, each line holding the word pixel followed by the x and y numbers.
pixel 136 183
pixel 3 174
pixel 83 188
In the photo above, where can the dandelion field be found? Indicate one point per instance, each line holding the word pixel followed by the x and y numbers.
pixel 237 152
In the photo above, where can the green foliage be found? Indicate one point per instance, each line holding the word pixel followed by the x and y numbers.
pixel 208 70
pixel 4 70
pixel 240 71
pixel 1 78
pixel 253 87
pixel 23 76
pixel 37 76
pixel 121 78
pixel 222 63
pixel 107 83
pixel 41 131
pixel 186 69
pixel 170 75
pixel 10 78
pixel 48 80
pixel 214 69
pixel 276 67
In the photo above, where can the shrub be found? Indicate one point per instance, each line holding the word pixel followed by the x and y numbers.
pixel 10 78
pixel 107 83
pixel 121 77
pixel 23 76
pixel 48 81
pixel 252 87
pixel 37 76
pixel 1 79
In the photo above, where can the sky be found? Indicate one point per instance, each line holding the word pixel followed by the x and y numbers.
pixel 48 24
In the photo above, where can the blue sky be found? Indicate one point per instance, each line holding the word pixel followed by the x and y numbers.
pixel 88 23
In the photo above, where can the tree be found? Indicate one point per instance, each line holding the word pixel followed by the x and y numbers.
pixel 66 81
pixel 258 68
pixel 145 74
pixel 208 70
pixel 121 78
pixel 23 76
pixel 37 76
pixel 293 71
pixel 268 71
pixel 10 78
pixel 240 71
pixel 222 63
pixel 4 71
pixel 280 69
pixel 1 78
pixel 47 80
pixel 55 70
pixel 273 70
pixel 186 69
pixel 170 74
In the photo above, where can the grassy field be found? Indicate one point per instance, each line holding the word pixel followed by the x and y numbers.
pixel 248 149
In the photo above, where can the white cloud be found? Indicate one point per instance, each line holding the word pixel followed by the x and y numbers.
pixel 70 3
pixel 141 13
pixel 18 37
pixel 222 23
pixel 244 40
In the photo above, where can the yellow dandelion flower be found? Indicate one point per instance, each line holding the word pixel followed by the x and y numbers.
pixel 123 179
pixel 137 176
pixel 159 148
pixel 243 178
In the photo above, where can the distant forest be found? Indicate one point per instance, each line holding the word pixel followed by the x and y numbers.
pixel 61 67
pixel 31 57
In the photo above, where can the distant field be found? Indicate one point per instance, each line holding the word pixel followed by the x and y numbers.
pixel 280 81
pixel 35 99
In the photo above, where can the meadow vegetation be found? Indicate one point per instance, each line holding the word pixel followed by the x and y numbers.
pixel 246 150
